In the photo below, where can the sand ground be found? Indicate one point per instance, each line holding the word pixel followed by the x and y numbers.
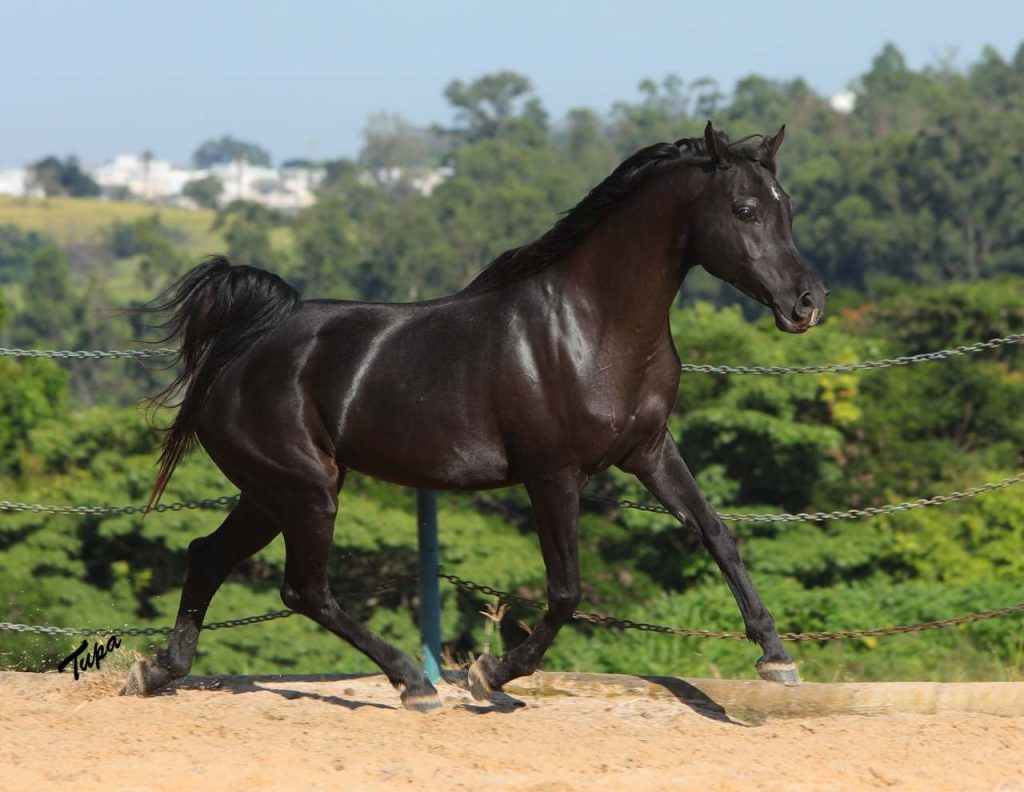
pixel 248 733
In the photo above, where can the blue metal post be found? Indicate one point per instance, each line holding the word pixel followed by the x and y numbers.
pixel 430 586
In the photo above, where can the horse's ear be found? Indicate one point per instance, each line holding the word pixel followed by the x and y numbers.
pixel 719 152
pixel 775 141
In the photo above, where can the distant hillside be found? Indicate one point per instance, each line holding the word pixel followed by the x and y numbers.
pixel 72 221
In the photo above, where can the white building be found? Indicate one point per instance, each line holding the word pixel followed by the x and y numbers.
pixel 18 181
pixel 843 102
pixel 149 179
pixel 287 188
pixel 160 181
pixel 422 180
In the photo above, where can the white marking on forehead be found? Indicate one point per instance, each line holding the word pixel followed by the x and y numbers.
pixel 773 185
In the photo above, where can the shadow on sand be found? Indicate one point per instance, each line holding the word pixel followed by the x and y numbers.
pixel 501 703
pixel 252 684
pixel 696 699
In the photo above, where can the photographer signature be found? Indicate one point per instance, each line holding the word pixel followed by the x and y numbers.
pixel 91 659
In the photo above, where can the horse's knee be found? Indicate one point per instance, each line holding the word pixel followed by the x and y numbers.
pixel 564 601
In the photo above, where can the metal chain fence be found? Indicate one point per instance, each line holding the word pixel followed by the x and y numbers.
pixel 87 354
pixel 42 508
pixel 593 618
pixel 905 360
pixel 849 514
pixel 385 585
pixel 600 620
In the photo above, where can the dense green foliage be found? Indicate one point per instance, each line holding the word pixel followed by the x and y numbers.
pixel 226 149
pixel 205 191
pixel 16 250
pixel 63 177
pixel 912 203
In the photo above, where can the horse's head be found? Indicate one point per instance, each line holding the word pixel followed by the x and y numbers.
pixel 743 233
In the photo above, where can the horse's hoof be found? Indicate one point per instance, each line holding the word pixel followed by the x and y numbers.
pixel 782 673
pixel 145 678
pixel 421 702
pixel 479 682
pixel 456 676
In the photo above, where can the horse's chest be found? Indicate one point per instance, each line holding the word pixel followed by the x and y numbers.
pixel 607 425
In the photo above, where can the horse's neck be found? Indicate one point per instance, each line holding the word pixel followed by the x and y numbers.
pixel 630 267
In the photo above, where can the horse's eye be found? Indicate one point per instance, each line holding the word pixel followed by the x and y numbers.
pixel 745 213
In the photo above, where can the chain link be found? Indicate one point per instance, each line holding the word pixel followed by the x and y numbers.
pixel 869 511
pixel 42 508
pixel 849 514
pixel 83 354
pixel 602 620
pixel 905 360
pixel 386 585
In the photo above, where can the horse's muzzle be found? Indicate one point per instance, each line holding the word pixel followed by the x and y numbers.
pixel 807 311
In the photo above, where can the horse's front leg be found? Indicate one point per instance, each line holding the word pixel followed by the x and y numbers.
pixel 661 468
pixel 556 504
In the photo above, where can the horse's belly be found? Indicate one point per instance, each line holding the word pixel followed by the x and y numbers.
pixel 424 451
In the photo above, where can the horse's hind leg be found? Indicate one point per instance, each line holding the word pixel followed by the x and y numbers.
pixel 210 559
pixel 308 535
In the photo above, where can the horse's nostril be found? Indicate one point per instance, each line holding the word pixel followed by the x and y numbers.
pixel 804 307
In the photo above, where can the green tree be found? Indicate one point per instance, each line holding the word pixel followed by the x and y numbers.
pixel 226 149
pixel 660 115
pixel 327 249
pixel 47 317
pixel 30 391
pixel 205 191
pixel 247 227
pixel 394 150
pixel 16 250
pixel 157 246
pixel 484 105
pixel 506 192
pixel 66 177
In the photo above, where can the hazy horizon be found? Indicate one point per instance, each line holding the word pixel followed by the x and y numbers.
pixel 103 78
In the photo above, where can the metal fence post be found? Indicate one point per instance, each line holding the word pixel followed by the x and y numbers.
pixel 429 584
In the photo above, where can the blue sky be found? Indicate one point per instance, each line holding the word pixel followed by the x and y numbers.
pixel 99 77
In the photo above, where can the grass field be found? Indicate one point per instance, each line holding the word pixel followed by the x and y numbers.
pixel 72 221
pixel 77 222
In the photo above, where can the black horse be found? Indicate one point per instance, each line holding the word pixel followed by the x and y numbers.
pixel 551 366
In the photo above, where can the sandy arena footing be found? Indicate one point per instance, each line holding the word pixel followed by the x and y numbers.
pixel 575 732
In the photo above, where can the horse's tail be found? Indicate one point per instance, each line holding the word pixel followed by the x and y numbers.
pixel 217 312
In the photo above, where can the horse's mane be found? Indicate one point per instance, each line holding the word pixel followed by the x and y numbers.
pixel 522 262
